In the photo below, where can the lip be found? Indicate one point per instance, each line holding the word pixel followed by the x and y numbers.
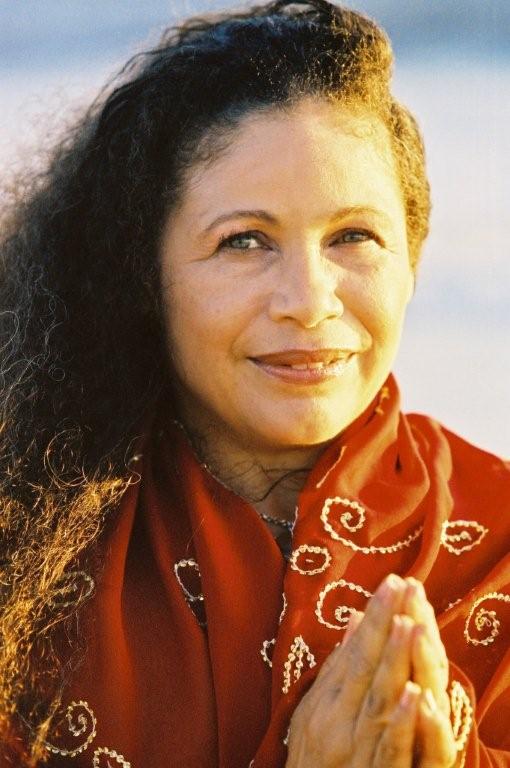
pixel 288 357
pixel 316 366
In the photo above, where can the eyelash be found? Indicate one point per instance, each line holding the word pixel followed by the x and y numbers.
pixel 224 241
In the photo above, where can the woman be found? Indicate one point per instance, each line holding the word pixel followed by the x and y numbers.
pixel 201 304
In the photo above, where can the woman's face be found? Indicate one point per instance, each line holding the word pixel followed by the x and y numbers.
pixel 286 276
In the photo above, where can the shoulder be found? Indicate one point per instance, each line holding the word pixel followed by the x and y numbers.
pixel 476 471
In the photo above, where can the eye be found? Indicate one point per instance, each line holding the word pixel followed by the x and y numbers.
pixel 239 241
pixel 350 236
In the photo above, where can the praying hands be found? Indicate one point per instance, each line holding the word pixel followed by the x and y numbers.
pixel 380 700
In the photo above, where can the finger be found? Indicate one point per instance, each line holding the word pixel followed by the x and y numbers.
pixel 371 636
pixel 364 655
pixel 352 625
pixel 427 671
pixel 396 745
pixel 418 608
pixel 436 742
pixel 388 684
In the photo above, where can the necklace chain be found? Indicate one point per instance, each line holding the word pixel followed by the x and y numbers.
pixel 288 525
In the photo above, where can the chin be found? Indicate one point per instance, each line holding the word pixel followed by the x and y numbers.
pixel 299 432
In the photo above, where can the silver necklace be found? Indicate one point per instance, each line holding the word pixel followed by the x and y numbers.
pixel 288 525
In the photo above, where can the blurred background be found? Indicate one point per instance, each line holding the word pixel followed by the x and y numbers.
pixel 452 70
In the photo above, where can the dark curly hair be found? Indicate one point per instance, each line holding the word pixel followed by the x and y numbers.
pixel 81 332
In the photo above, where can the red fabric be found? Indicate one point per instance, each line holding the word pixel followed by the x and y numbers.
pixel 165 692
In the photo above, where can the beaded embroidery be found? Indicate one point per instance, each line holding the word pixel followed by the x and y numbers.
pixel 342 612
pixel 263 651
pixel 292 669
pixel 484 619
pixel 78 723
pixel 462 717
pixel 74 588
pixel 307 548
pixel 81 721
pixel 282 614
pixel 195 601
pixel 470 535
pixel 345 520
pixel 119 760
pixel 346 517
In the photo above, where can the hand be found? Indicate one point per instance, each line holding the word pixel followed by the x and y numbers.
pixel 435 744
pixel 364 710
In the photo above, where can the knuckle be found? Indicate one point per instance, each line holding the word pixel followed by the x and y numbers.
pixel 361 665
pixel 387 754
pixel 375 704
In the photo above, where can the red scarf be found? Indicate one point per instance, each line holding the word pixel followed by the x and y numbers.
pixel 394 494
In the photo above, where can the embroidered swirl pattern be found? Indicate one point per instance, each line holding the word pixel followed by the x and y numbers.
pixel 293 667
pixel 347 520
pixel 341 613
pixel 486 622
pixel 305 565
pixel 81 724
pixel 459 536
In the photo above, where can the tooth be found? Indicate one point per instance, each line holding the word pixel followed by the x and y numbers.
pixel 303 367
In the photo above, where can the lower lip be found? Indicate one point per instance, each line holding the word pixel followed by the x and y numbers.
pixel 306 376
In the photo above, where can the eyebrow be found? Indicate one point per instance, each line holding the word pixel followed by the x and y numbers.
pixel 342 213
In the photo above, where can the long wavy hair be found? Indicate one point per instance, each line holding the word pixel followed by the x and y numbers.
pixel 83 354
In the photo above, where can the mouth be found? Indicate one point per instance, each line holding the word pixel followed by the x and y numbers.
pixel 300 366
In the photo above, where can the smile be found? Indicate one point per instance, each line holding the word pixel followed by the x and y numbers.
pixel 305 366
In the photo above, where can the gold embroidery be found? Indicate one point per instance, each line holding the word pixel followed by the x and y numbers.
pixel 462 717
pixel 383 395
pixel 80 719
pixel 74 588
pixel 484 619
pixel 282 614
pixel 332 467
pixel 469 536
pixel 342 612
pixel 294 664
pixel 194 600
pixel 303 549
pixel 346 518
pixel 109 753
pixel 263 651
pixel 190 563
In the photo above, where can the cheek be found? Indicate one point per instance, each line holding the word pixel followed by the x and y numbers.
pixel 205 318
pixel 382 298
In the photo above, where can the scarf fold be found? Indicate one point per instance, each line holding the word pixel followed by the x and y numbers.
pixel 201 638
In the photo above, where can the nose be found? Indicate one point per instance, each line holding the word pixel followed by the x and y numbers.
pixel 307 289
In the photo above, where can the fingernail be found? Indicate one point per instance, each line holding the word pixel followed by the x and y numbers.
pixel 389 588
pixel 415 587
pixel 396 628
pixel 410 695
pixel 430 700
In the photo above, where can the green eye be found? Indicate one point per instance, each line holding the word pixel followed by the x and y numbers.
pixel 356 236
pixel 236 240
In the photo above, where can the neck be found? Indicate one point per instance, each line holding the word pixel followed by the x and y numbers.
pixel 270 480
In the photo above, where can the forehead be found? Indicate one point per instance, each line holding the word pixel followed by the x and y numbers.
pixel 307 155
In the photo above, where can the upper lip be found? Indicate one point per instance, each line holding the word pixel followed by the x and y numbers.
pixel 304 356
